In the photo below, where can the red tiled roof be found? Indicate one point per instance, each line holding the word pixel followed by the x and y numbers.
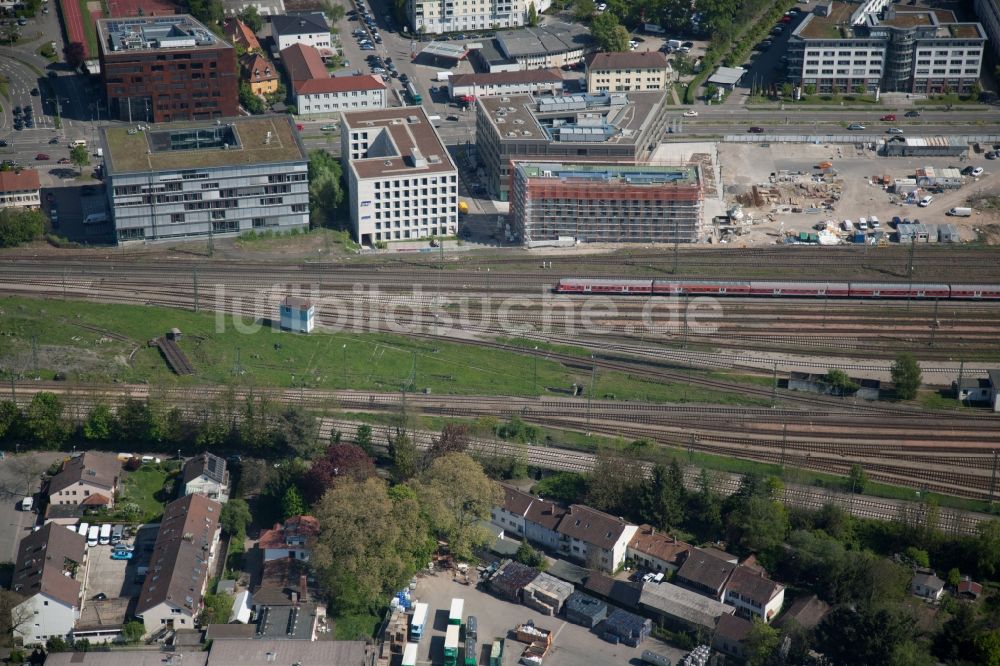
pixel 302 63
pixel 339 84
pixel 257 68
pixel 305 527
pixel 91 467
pixel 660 545
pixel 19 181
pixel 241 34
pixel 97 499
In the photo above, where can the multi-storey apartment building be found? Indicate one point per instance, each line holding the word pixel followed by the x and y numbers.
pixel 627 72
pixel 317 93
pixel 401 181
pixel 988 13
pixel 437 16
pixel 605 203
pixel 873 47
pixel 610 127
pixel 187 180
pixel 166 68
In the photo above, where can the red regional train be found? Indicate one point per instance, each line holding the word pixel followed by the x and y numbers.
pixel 984 292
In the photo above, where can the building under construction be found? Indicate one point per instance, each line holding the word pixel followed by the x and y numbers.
pixel 605 203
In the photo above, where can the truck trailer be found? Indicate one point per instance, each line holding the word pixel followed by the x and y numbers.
pixel 451 645
pixel 457 606
pixel 418 621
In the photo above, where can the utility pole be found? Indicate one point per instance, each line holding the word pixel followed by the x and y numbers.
pixel 909 271
pixel 236 367
pixel 345 366
pixel 684 321
pixel 958 384
pixel 64 283
pixel 34 354
pixel 590 393
pixel 195 279
pixel 13 390
pixel 934 323
pixel 534 374
pixel 993 478
pixel 784 441
pixel 774 386
pixel 676 243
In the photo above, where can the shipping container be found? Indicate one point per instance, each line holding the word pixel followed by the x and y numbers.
pixel 455 616
pixel 471 650
pixel 451 645
pixel 410 655
pixel 418 621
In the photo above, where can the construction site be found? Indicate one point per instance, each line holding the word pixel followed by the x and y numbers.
pixel 559 203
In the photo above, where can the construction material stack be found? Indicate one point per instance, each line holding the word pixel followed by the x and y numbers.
pixel 539 641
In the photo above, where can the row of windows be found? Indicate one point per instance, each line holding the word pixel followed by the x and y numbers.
pixel 409 194
pixel 404 213
pixel 407 182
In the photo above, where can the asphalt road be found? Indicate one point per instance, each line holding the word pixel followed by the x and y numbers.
pixel 19 476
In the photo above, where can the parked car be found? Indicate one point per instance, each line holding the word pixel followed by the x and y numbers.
pixel 121 555
pixel 3 143
pixel 926 201
pixel 328 128
pixel 992 155
pixel 53 141
pixel 691 113
pixel 912 114
pixel 34 92
pixel 977 172
pixel 756 130
pixel 65 160
pixel 42 157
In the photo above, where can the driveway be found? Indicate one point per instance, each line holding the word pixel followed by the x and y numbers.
pixel 20 476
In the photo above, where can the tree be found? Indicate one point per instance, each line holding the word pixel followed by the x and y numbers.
pixel 133 631
pixel 209 12
pixel 79 156
pixel 957 637
pixel 10 416
pixel 565 487
pixel 532 15
pixel 454 438
pixel 988 648
pixel 840 381
pixel 664 496
pixel 706 508
pixel 786 90
pixel 217 609
pixel 762 643
pixel 918 557
pixel 298 431
pixel 249 100
pixel 363 439
pixel 954 577
pixel 20 226
pixel 988 548
pixel 73 54
pixel 100 424
pixel 235 517
pixel 292 504
pixel 583 9
pixel 857 479
pixel 850 637
pixel 134 422
pixel 810 89
pixel 527 555
pixel 13 618
pixel 252 18
pixel 340 461
pixel 56 644
pixel 754 518
pixel 372 539
pixel 615 484
pixel 325 192
pixel 455 495
pixel 906 376
pixel 43 421
pixel 609 34
pixel 403 454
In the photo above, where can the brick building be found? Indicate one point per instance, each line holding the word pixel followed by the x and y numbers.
pixel 166 68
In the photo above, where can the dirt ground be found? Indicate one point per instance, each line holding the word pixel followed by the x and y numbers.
pixel 850 192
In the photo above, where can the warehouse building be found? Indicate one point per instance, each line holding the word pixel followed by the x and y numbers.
pixel 551 45
pixel 166 68
pixel 401 181
pixel 605 203
pixel 610 127
pixel 843 46
pixel 585 610
pixel 196 179
pixel 925 146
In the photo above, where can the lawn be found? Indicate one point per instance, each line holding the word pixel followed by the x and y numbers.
pixel 145 488
pixel 89 31
pixel 269 357
pixel 354 627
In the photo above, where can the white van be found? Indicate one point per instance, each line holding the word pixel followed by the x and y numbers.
pixel 105 534
pixel 83 529
pixel 960 211
pixel 96 218
pixel 77 143
pixel 926 201
pixel 93 535
pixel 27 504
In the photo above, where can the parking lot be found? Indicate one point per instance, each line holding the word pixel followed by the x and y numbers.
pixel 119 578
pixel 572 645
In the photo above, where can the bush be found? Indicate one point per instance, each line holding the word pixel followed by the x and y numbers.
pixel 20 226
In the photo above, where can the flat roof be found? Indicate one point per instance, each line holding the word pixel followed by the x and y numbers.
pixel 501 78
pixel 155 33
pixel 552 38
pixel 128 658
pixel 453 50
pixel 414 146
pixel 815 26
pixel 136 152
pixel 727 76
pixel 234 652
pixel 686 605
pixel 643 175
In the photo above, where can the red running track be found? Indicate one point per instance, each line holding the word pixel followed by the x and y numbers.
pixel 73 20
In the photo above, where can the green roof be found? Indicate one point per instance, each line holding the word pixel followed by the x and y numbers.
pixel 134 152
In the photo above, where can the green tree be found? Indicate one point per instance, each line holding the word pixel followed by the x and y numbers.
pixel 565 487
pixel 251 17
pixel 403 454
pixel 840 381
pixel 906 376
pixel 133 631
pixel 857 479
pixel 988 548
pixel 988 648
pixel 56 644
pixel 956 639
pixel 298 431
pixel 911 653
pixel 19 226
pixel 100 424
pixel 10 416
pixel 325 192
pixel 762 644
pixel 527 555
pixel 79 156
pixel 615 484
pixel 532 15
pixel 583 9
pixel 954 577
pixel 43 420
pixel 249 101
pixel 664 496
pixel 371 542
pixel 755 519
pixel 235 517
pixel 217 609
pixel 706 507
pixel 456 495
pixel 73 54
pixel 917 556
pixel 363 439
pixel 209 12
pixel 786 90
pixel 609 34
pixel 810 89
pixel 850 637
pixel 292 504
pixel 134 422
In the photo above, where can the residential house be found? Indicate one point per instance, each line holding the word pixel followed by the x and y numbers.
pixel 656 551
pixel 731 634
pixel 48 573
pixel 595 538
pixel 241 36
pixel 541 522
pixel 511 578
pixel 307 28
pixel 705 573
pixel 258 71
pixel 90 478
pixel 753 594
pixel 20 189
pixel 206 474
pixel 546 594
pixel 510 515
pixel 171 596
pixel 806 612
pixel 317 93
pixel 969 589
pixel 283 582
pixel 627 72
pixel 294 539
pixel 927 585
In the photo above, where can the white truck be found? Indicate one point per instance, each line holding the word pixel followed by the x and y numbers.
pixel 960 211
pixel 443 76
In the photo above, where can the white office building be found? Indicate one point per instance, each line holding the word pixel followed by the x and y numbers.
pixel 437 16
pixel 401 181
pixel 309 28
pixel 194 179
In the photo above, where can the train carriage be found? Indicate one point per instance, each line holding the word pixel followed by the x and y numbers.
pixel 805 289
pixel 896 290
pixel 578 286
pixel 976 291
pixel 698 287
